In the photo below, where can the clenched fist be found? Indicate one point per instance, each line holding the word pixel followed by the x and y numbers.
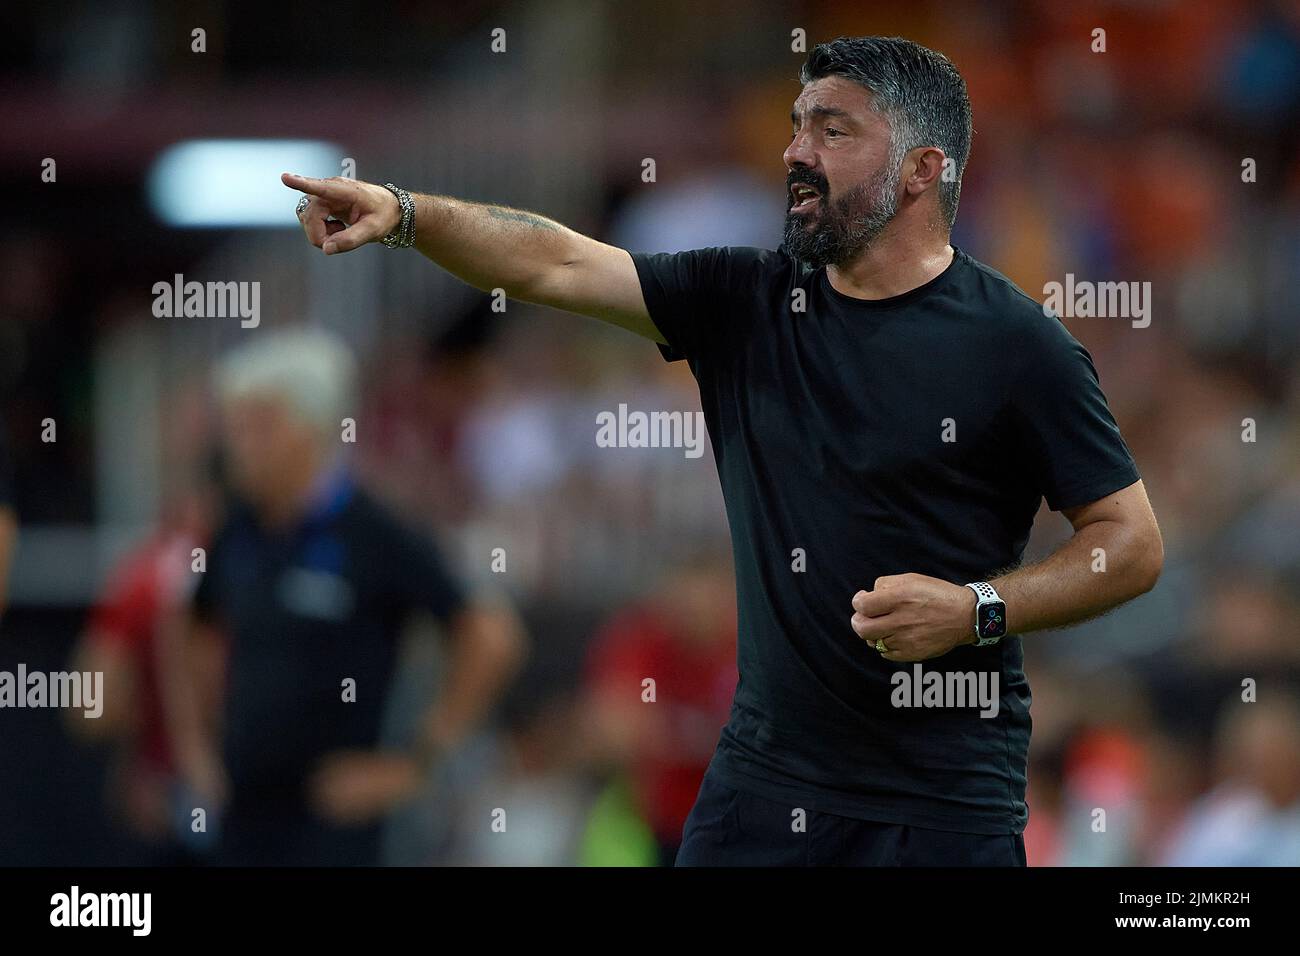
pixel 344 214
pixel 915 617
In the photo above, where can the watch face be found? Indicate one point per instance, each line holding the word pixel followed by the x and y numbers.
pixel 993 619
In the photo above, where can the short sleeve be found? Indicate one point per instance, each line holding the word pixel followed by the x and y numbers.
pixel 420 577
pixel 1074 448
pixel 686 294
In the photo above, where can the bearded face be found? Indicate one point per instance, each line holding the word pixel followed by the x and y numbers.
pixel 824 229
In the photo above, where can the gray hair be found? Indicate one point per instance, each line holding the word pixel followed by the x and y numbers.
pixel 310 370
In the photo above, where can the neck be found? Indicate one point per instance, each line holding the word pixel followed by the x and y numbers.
pixel 892 265
pixel 294 498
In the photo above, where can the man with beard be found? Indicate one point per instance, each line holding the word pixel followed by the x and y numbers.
pixel 887 415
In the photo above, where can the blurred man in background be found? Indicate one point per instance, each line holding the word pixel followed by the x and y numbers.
pixel 311 580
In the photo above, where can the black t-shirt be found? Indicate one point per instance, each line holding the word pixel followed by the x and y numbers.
pixel 305 611
pixel 828 425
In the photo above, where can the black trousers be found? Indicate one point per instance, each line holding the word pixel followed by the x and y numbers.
pixel 728 827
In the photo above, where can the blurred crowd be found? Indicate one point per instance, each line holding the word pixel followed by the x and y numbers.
pixel 1166 732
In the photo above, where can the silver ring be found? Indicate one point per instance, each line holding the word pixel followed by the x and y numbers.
pixel 302 204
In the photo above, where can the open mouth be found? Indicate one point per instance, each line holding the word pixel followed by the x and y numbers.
pixel 803 197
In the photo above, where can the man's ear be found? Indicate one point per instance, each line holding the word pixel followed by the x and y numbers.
pixel 926 169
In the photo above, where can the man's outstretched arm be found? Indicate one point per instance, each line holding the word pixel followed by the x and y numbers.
pixel 532 258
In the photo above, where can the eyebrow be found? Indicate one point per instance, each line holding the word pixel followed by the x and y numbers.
pixel 818 111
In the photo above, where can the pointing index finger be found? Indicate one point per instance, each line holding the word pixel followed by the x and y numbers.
pixel 305 184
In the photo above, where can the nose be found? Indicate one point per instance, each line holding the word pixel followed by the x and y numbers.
pixel 799 153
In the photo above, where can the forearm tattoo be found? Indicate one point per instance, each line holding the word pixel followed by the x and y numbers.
pixel 518 215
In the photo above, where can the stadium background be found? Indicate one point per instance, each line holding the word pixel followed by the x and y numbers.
pixel 1122 165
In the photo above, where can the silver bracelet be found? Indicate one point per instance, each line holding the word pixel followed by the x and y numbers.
pixel 403 234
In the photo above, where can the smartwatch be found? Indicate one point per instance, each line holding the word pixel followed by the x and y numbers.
pixel 990 614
